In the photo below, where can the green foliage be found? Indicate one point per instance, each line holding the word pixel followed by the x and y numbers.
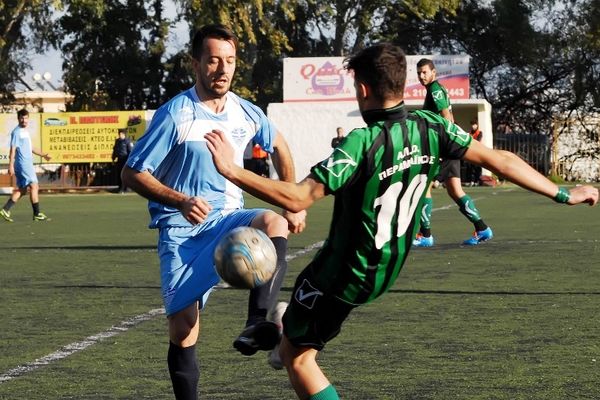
pixel 532 60
pixel 113 54
pixel 16 18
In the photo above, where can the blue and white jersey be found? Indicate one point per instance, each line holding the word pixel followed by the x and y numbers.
pixel 173 149
pixel 21 139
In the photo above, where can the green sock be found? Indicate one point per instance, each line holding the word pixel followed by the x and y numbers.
pixel 329 393
pixel 468 209
pixel 426 213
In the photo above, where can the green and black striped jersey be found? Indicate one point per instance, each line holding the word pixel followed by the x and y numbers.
pixel 379 176
pixel 437 98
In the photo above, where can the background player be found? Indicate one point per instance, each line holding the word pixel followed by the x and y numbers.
pixel 437 100
pixel 193 206
pixel 20 165
pixel 378 176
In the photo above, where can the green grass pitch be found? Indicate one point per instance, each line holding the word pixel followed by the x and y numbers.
pixel 515 318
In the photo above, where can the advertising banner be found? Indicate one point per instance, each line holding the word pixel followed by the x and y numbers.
pixel 8 122
pixel 307 79
pixel 451 71
pixel 87 136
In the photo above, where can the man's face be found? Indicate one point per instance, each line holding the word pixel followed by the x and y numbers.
pixel 474 127
pixel 426 75
pixel 23 121
pixel 214 70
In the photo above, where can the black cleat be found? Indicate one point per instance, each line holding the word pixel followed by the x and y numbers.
pixel 263 335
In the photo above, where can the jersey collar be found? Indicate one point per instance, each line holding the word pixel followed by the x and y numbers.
pixel 384 114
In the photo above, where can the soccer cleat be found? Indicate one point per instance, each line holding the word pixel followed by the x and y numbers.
pixel 40 217
pixel 274 358
pixel 479 236
pixel 6 215
pixel 263 335
pixel 422 241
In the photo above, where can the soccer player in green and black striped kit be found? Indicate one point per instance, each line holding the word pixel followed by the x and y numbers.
pixel 437 101
pixel 378 175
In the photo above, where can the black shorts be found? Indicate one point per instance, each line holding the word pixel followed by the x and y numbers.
pixel 313 317
pixel 449 169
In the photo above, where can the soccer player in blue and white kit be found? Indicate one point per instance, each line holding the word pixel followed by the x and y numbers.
pixel 20 165
pixel 193 206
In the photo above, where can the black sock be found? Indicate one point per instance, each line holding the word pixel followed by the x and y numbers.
pixel 9 204
pixel 264 298
pixel 426 232
pixel 184 371
pixel 480 225
pixel 36 208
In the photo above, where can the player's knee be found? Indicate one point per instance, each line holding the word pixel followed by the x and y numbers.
pixel 184 328
pixel 296 360
pixel 273 224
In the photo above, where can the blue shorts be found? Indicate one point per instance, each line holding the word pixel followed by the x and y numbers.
pixel 187 271
pixel 25 176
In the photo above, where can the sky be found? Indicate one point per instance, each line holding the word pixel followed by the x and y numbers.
pixel 51 61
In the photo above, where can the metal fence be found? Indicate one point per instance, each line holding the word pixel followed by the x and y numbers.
pixel 535 149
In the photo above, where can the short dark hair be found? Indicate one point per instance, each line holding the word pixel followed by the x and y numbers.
pixel 22 112
pixel 425 61
pixel 211 31
pixel 474 122
pixel 382 67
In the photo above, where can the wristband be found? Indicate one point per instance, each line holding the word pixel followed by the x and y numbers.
pixel 562 196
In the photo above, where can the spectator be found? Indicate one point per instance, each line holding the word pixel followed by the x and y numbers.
pixel 121 150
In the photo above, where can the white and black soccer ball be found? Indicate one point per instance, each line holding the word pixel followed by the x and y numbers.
pixel 245 258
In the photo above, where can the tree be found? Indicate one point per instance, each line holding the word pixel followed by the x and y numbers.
pixel 114 54
pixel 532 60
pixel 24 25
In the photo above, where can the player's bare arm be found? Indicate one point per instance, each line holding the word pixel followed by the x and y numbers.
pixel 40 153
pixel 516 170
pixel 447 114
pixel 194 209
pixel 11 160
pixel 284 165
pixel 295 197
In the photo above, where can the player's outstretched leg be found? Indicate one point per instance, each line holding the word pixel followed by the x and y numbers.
pixel 277 317
pixel 260 334
pixel 307 379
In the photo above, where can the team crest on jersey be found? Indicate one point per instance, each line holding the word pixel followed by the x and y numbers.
pixel 307 294
pixel 238 135
pixel 186 114
pixel 438 94
pixel 338 162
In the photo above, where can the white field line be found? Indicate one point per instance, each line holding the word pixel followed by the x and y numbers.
pixel 78 346
pixel 124 326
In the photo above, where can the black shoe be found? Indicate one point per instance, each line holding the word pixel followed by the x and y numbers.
pixel 260 336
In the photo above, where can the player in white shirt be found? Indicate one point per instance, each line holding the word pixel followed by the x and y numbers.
pixel 193 206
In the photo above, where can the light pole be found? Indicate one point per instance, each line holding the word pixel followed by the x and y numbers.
pixel 45 77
